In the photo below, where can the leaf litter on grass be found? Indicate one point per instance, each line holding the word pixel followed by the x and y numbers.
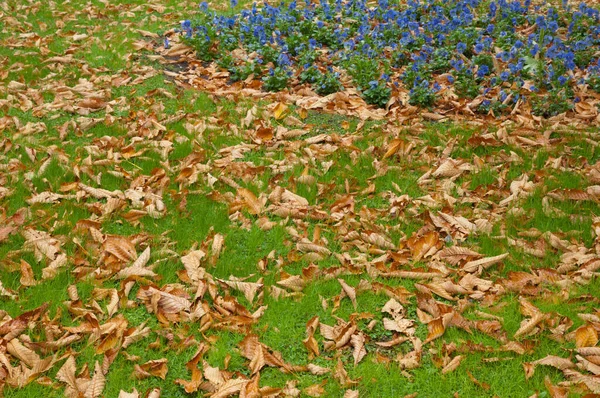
pixel 372 233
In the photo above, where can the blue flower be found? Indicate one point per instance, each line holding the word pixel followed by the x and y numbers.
pixel 562 80
pixel 493 9
pixel 461 47
pixel 504 56
pixel 283 60
pixel 482 71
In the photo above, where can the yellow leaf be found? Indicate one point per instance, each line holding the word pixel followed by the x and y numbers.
pixel 586 336
pixel 279 110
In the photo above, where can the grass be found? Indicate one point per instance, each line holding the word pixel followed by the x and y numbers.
pixel 193 217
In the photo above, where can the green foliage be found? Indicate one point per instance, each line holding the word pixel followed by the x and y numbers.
pixel 310 74
pixel 555 102
pixel 377 94
pixel 328 83
pixel 466 85
pixel 363 71
pixel 244 71
pixel 422 95
pixel 277 79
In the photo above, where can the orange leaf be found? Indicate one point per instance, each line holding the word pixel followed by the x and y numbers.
pixel 436 329
pixel 586 336
pixel 254 205
pixel 419 247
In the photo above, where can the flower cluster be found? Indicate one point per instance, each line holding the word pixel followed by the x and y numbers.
pixel 498 51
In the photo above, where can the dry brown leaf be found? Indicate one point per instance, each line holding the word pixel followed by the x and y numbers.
pixel 474 266
pixel 590 366
pixel 529 324
pixel 154 393
pixel 349 291
pixel 293 282
pixel 6 293
pixel 317 370
pixel 425 245
pixel 393 147
pixel 341 375
pixel 133 394
pixel 529 369
pixel 249 289
pixel 359 352
pixel 453 364
pixel 258 359
pixel 555 362
pixel 456 254
pixel 436 329
pixel 555 391
pixel 252 202
pixel 315 390
pixel 121 248
pixel 591 382
pixel 96 386
pixel 586 336
pixel 27 278
pixel 306 246
pixel 351 394
pixel 157 368
pixel 45 246
pixel 310 342
pixel 192 264
pixel 66 373
pixel 19 351
pixel 230 387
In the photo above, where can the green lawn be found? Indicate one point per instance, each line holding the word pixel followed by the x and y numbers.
pixel 177 165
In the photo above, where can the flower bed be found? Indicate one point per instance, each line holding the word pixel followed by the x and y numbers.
pixel 495 55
